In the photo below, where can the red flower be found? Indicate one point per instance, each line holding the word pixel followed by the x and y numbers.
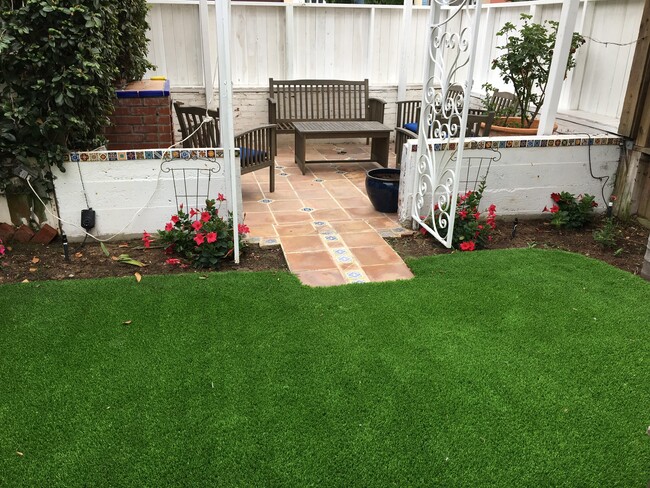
pixel 467 246
pixel 174 218
pixel 554 209
pixel 169 249
pixel 181 206
pixel 480 227
pixel 173 261
pixel 2 249
pixel 545 209
pixel 169 226
pixel 477 215
pixel 594 204
pixel 146 239
pixel 492 209
pixel 193 212
pixel 243 229
pixel 196 225
pixel 556 197
pixel 220 197
pixel 612 198
pixel 463 214
pixel 205 216
pixel 423 231
pixel 211 237
pixel 199 238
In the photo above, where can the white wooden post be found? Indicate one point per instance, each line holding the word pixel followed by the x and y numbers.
pixel 205 48
pixel 484 60
pixel 222 9
pixel 405 49
pixel 558 66
pixel 574 79
pixel 289 40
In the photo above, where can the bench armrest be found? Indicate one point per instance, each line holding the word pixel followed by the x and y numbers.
pixel 259 143
pixel 376 108
pixel 273 110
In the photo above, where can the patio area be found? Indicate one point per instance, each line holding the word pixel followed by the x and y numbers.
pixel 329 232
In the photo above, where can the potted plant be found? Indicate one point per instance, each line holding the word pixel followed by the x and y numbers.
pixel 525 65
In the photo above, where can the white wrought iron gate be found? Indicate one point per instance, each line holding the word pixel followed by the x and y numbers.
pixel 443 113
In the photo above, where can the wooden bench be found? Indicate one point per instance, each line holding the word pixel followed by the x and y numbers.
pixel 321 100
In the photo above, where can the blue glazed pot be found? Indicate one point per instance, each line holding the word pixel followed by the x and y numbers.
pixel 382 186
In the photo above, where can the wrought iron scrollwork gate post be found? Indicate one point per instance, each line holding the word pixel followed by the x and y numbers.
pixel 443 114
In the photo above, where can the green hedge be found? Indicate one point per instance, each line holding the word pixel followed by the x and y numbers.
pixel 59 64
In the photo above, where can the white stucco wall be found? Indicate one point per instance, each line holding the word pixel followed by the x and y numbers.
pixel 117 189
pixel 521 179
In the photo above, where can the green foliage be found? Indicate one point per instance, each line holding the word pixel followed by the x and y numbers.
pixel 203 237
pixel 571 211
pixel 527 60
pixel 59 62
pixel 607 234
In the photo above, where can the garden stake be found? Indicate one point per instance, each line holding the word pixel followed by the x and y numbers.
pixel 514 228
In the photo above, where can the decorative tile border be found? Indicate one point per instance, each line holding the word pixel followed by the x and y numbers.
pixel 537 142
pixel 145 154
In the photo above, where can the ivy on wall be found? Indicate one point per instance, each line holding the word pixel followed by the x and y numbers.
pixel 60 61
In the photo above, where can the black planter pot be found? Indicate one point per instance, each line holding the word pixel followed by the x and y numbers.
pixel 382 186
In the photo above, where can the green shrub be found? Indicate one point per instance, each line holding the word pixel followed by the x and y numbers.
pixel 59 63
pixel 607 234
pixel 571 211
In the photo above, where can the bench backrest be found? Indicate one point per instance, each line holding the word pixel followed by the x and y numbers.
pixel 304 100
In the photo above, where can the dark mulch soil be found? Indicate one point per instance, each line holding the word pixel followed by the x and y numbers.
pixel 34 262
pixel 628 254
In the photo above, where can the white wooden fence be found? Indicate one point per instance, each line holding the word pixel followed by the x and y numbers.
pixel 283 40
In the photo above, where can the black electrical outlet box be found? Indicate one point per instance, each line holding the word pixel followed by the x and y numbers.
pixel 88 218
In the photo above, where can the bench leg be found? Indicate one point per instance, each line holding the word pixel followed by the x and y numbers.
pixel 379 150
pixel 300 151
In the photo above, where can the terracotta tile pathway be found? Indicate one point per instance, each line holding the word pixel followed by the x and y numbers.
pixel 328 230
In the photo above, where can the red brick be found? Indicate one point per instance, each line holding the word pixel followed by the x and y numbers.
pixel 120 111
pixel 150 119
pixel 146 129
pixel 144 111
pixel 7 232
pixel 23 234
pixel 45 235
pixel 164 119
pixel 129 102
pixel 155 101
pixel 129 120
pixel 122 129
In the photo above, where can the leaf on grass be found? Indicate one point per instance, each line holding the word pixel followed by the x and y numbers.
pixel 203 277
pixel 32 270
pixel 25 281
pixel 104 249
pixel 21 454
pixel 78 255
pixel 138 277
pixel 35 260
pixel 115 258
pixel 127 322
pixel 126 259
pixel 124 244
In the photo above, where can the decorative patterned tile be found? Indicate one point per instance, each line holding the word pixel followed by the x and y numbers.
pixel 306 209
pixel 284 174
pixel 319 223
pixel 318 180
pixel 265 200
pixel 331 237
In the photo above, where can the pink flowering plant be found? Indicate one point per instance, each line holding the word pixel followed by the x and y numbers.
pixel 203 237
pixel 571 211
pixel 3 249
pixel 471 232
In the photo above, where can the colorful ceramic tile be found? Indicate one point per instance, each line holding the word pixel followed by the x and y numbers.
pixel 74 157
pixel 306 209
pixel 284 174
pixel 130 155
pixel 265 200
pixel 319 223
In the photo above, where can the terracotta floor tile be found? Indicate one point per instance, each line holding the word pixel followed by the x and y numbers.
pixel 388 272
pixel 363 239
pixel 354 201
pixel 257 218
pixel 381 223
pixel 328 277
pixel 262 230
pixel 314 193
pixel 309 261
pixel 352 226
pixel 252 197
pixel 363 212
pixel 286 205
pixel 282 195
pixel 255 207
pixel 291 217
pixel 302 243
pixel 321 203
pixel 302 229
pixel 331 215
pixel 371 256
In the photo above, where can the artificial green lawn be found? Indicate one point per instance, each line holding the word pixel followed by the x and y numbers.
pixel 501 368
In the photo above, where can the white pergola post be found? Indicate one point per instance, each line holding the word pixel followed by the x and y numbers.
pixel 289 40
pixel 205 48
pixel 558 66
pixel 222 9
pixel 405 48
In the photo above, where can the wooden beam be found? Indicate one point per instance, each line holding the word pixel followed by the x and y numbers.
pixel 637 86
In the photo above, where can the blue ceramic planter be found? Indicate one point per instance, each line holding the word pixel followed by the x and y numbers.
pixel 382 186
